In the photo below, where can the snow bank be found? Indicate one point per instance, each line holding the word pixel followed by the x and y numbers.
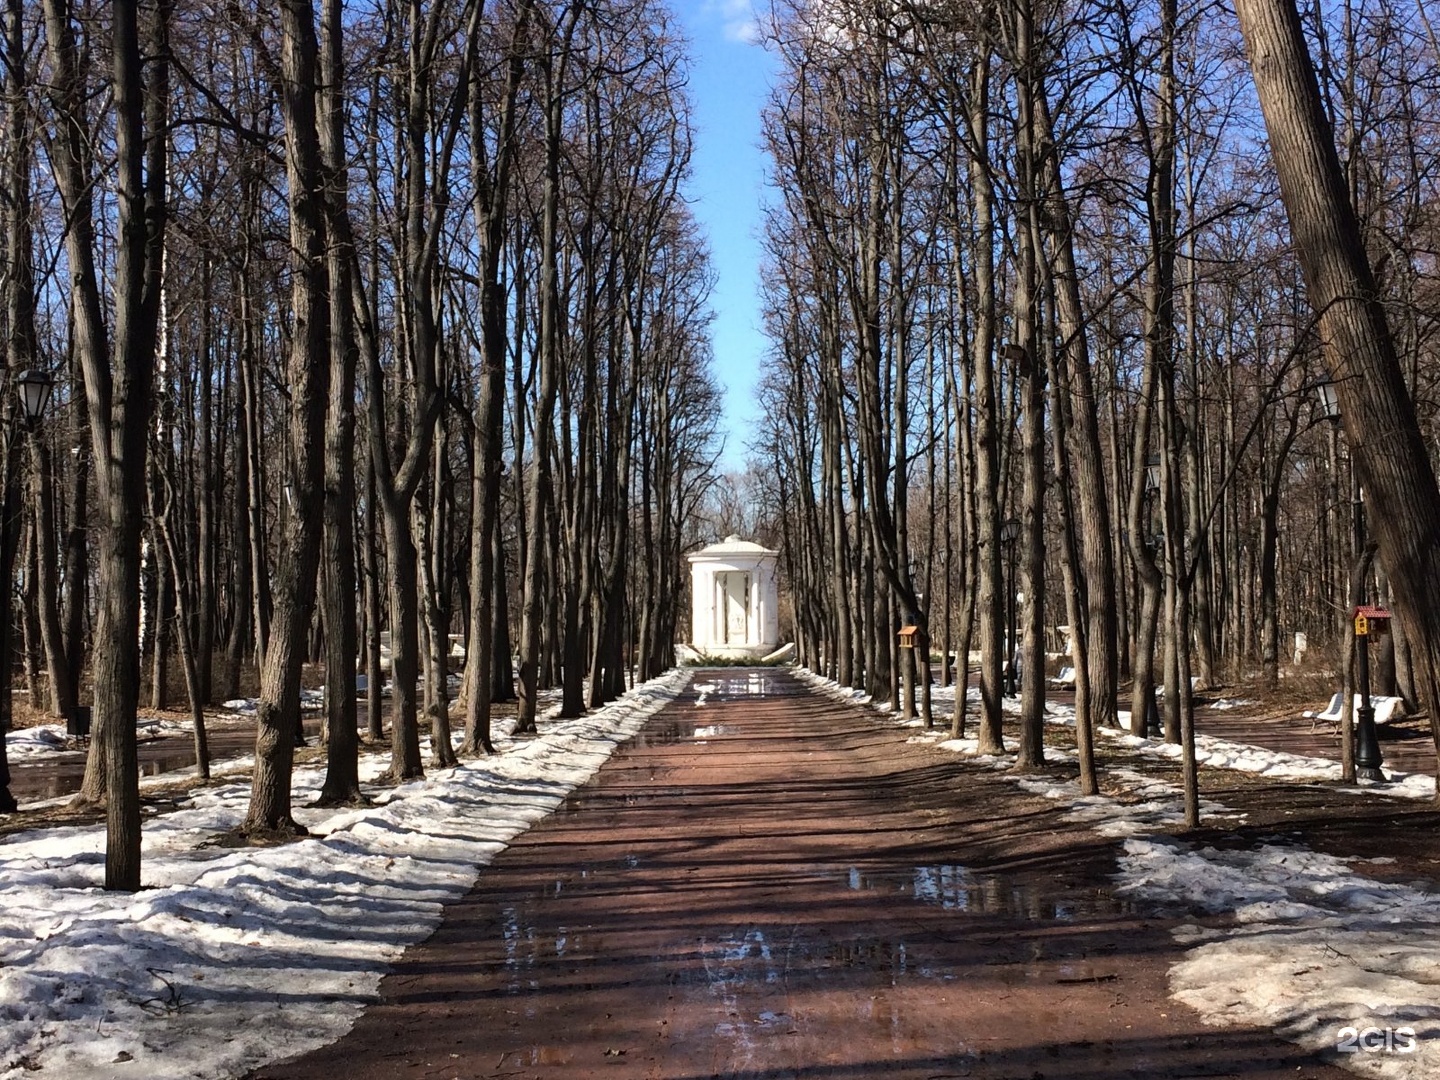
pixel 1329 958
pixel 233 958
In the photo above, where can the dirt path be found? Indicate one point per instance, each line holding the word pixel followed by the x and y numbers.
pixel 766 884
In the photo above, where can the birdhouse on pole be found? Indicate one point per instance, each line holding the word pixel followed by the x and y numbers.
pixel 1371 620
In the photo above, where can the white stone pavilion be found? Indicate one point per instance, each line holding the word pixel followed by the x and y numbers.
pixel 734 600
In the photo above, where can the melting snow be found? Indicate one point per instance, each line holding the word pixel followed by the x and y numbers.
pixel 1331 959
pixel 233 958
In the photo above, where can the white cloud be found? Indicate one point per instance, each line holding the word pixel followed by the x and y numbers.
pixel 737 17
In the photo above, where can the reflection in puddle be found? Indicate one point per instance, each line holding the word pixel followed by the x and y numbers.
pixel 743 683
pixel 50 786
pixel 865 955
pixel 51 780
pixel 527 946
pixel 668 734
pixel 957 888
pixel 588 797
pixel 519 944
pixel 664 734
pixel 537 1055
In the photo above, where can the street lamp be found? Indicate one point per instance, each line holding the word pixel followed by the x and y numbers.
pixel 33 389
pixel 1366 620
pixel 1329 401
pixel 1019 356
pixel 1152 473
pixel 1009 534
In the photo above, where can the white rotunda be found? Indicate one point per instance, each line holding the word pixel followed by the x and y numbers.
pixel 734 600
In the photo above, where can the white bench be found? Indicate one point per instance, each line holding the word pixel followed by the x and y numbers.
pixel 1386 709
pixel 1065 679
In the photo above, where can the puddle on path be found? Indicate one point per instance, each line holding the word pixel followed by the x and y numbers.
pixel 535 1055
pixel 957 888
pixel 51 780
pixel 718 684
pixel 589 797
pixel 662 734
pixel 759 954
pixel 679 731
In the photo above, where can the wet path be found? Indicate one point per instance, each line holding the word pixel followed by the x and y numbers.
pixel 767 884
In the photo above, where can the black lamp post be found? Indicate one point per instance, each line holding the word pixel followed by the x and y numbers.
pixel 34 388
pixel 1365 621
pixel 1009 534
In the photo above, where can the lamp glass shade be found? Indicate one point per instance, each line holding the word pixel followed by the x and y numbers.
pixel 1009 531
pixel 1152 473
pixel 1329 400
pixel 35 388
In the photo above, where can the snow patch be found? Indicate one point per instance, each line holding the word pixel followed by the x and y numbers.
pixel 234 958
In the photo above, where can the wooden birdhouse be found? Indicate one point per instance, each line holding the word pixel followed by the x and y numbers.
pixel 1371 620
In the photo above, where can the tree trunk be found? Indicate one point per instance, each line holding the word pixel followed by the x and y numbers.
pixel 160 629
pixel 207 549
pixel 426 144
pixel 540 497
pixel 278 713
pixel 437 616
pixel 342 745
pixel 486 656
pixel 77 551
pixel 405 761
pixel 9 541
pixel 502 664
pixel 118 375
pixel 184 604
pixel 237 645
pixel 250 361
pixel 19 310
pixel 1376 408
pixel 374 675
pixel 63 686
pixel 1031 752
pixel 987 440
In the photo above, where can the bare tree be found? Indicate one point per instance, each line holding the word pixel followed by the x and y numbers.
pixel 308 373
pixel 1376 407
pixel 339 581
pixel 119 370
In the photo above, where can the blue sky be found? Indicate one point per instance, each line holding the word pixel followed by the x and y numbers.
pixel 729 80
